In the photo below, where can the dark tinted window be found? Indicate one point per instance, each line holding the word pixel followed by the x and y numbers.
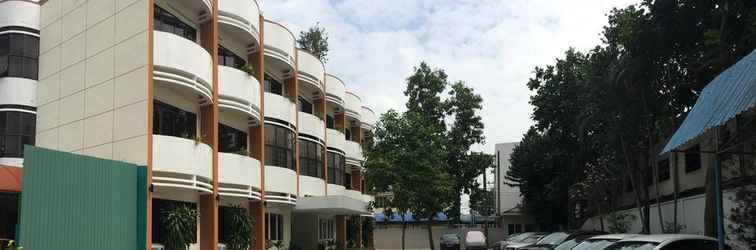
pixel 279 147
pixel 160 210
pixel 273 86
pixel 232 140
pixel 329 122
pixel 663 170
pixel 311 158
pixel 335 168
pixel 19 55
pixel 173 121
pixel 16 130
pixel 567 245
pixel 228 58
pixel 167 22
pixel 348 180
pixel 692 245
pixel 693 159
pixel 305 106
pixel 632 245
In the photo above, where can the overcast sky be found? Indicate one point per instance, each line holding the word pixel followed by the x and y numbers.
pixel 491 45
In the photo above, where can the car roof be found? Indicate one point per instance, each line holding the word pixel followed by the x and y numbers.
pixel 661 238
pixel 612 236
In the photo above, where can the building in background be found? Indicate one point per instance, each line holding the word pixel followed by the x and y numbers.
pixel 507 200
pixel 214 98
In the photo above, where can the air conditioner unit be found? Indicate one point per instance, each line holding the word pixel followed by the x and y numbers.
pixel 221 246
pixel 157 247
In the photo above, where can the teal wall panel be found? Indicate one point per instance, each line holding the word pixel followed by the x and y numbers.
pixel 78 202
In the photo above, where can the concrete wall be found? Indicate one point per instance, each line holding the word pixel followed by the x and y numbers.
pixel 93 78
pixel 506 197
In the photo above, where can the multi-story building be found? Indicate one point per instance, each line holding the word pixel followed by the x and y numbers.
pixel 213 97
pixel 507 200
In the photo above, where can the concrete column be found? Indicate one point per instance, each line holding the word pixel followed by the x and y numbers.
pixel 341 234
pixel 209 135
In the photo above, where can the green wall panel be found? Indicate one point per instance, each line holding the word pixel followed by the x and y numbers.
pixel 79 203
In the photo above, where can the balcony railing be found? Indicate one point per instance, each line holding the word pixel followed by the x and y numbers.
pixel 352 105
pixel 368 118
pixel 239 176
pixel 282 181
pixel 334 189
pixel 183 63
pixel 311 125
pixel 335 90
pixel 242 15
pixel 353 152
pixel 311 69
pixel 182 163
pixel 238 91
pixel 313 186
pixel 335 139
pixel 280 108
pixel 279 43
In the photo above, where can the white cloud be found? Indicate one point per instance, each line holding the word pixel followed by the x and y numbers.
pixel 492 45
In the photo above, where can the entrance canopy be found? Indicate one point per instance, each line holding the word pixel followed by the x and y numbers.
pixel 729 94
pixel 336 204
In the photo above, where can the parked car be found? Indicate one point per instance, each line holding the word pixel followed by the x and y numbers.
pixel 475 240
pixel 528 241
pixel 666 242
pixel 600 242
pixel 553 240
pixel 513 238
pixel 450 241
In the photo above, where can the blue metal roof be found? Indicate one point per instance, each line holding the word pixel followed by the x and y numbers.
pixel 729 94
pixel 408 216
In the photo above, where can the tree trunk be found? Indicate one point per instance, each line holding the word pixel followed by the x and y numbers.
pixel 430 233
pixel 630 167
pixel 404 230
pixel 676 189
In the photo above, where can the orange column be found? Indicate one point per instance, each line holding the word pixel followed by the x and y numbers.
pixel 341 234
pixel 320 111
pixel 339 121
pixel 357 180
pixel 150 94
pixel 209 135
pixel 293 85
pixel 357 134
pixel 257 144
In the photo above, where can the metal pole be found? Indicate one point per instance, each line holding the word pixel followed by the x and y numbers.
pixel 718 193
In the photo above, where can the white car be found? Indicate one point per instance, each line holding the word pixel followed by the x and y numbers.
pixel 600 242
pixel 475 240
pixel 666 242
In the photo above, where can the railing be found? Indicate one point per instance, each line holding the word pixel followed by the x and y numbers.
pixel 279 43
pixel 313 186
pixel 334 189
pixel 335 139
pixel 280 107
pixel 353 105
pixel 242 14
pixel 311 69
pixel 311 125
pixel 280 180
pixel 335 90
pixel 353 152
pixel 368 118
pixel 238 91
pixel 182 163
pixel 182 62
pixel 239 175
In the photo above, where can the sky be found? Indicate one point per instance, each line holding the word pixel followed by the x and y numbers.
pixel 491 45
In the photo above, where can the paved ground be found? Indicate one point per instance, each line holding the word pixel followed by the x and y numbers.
pixel 417 237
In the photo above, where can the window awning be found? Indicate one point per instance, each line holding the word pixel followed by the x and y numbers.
pixel 729 94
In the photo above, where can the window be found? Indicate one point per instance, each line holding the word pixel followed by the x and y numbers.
pixel 16 130
pixel 279 147
pixel 329 122
pixel 692 159
pixel 326 230
pixel 275 226
pixel 347 180
pixel 311 158
pixel 173 121
pixel 232 140
pixel 160 208
pixel 273 86
pixel 335 168
pixel 663 170
pixel 347 134
pixel 167 22
pixel 227 57
pixel 510 229
pixel 692 244
pixel 19 55
pixel 9 214
pixel 305 106
pixel 518 228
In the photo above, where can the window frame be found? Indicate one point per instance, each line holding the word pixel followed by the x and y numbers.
pixel 279 150
pixel 693 157
pixel 272 85
pixel 19 55
pixel 334 168
pixel 225 142
pixel 311 158
pixel 165 19
pixel 20 134
pixel 162 124
pixel 225 54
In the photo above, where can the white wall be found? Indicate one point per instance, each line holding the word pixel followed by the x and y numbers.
pixel 507 197
pixel 93 78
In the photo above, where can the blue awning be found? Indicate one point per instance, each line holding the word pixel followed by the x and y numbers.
pixel 729 94
pixel 409 217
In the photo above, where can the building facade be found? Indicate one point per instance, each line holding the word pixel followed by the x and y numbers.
pixel 213 97
pixel 507 199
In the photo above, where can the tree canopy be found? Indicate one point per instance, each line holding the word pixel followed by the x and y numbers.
pixel 315 40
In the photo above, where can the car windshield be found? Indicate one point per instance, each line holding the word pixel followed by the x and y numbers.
pixel 567 245
pixel 519 237
pixel 531 239
pixel 449 237
pixel 553 239
pixel 633 245
pixel 594 244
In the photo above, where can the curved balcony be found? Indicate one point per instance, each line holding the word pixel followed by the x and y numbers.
pixel 238 91
pixel 19 14
pixel 182 163
pixel 353 153
pixel 279 43
pixel 312 186
pixel 311 69
pixel 183 63
pixel 367 198
pixel 368 118
pixel 241 15
pixel 239 176
pixel 335 90
pixel 354 194
pixel 335 139
pixel 353 105
pixel 334 189
pixel 311 125
pixel 280 108
pixel 280 184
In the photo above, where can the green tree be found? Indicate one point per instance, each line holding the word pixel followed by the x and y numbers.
pixel 315 40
